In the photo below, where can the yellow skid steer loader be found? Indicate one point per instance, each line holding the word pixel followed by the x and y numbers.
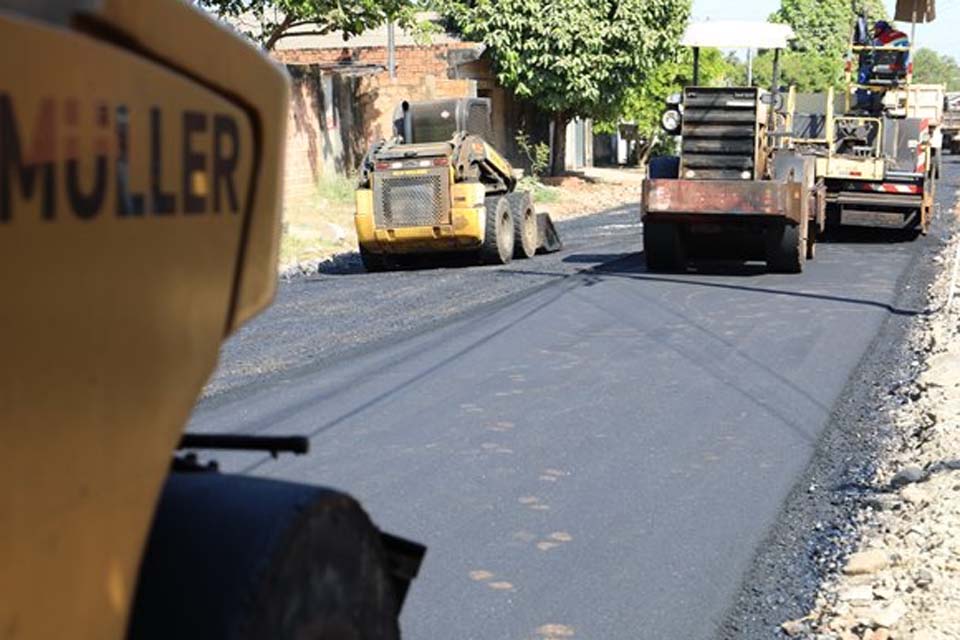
pixel 440 188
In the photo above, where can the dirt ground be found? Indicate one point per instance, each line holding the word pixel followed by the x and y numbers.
pixel 591 190
pixel 321 229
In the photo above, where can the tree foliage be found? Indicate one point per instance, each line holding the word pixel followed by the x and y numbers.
pixel 808 72
pixel 823 29
pixel 644 103
pixel 267 21
pixel 824 26
pixel 576 57
pixel 930 67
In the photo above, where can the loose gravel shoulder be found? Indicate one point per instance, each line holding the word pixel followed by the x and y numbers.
pixel 866 534
pixel 902 580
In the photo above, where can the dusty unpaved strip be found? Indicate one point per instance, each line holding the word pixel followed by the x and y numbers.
pixel 902 581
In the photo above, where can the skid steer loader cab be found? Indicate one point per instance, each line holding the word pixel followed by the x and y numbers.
pixel 737 189
pixel 141 148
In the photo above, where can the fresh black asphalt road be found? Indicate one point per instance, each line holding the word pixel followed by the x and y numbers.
pixel 592 452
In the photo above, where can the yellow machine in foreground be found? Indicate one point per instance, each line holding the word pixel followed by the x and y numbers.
pixel 140 165
pixel 439 188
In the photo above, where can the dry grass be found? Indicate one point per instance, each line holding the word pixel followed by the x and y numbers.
pixel 322 226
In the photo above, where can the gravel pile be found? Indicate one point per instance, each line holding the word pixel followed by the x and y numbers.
pixel 902 580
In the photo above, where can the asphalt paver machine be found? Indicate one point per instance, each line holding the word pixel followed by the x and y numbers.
pixel 878 143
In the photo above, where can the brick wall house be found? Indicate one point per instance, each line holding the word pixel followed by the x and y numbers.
pixel 344 99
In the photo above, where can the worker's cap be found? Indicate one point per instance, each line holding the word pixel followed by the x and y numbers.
pixel 881 25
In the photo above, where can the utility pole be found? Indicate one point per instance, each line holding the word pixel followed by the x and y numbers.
pixel 391 49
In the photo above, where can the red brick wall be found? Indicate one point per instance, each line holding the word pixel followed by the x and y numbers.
pixel 422 74
pixel 315 142
pixel 410 61
pixel 304 166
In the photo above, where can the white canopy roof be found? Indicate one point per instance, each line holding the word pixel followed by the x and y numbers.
pixel 738 34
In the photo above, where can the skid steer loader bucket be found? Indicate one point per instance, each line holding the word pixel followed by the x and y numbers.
pixel 549 239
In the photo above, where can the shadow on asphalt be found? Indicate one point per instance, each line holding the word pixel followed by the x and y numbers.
pixel 350 263
pixel 395 389
pixel 633 267
pixel 710 267
pixel 868 235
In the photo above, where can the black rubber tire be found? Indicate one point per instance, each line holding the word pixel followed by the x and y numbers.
pixel 376 262
pixel 526 235
pixel 498 241
pixel 786 248
pixel 663 246
pixel 811 242
pixel 243 558
pixel 348 597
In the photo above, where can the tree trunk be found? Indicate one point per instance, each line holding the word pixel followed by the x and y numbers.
pixel 559 143
pixel 278 30
pixel 644 156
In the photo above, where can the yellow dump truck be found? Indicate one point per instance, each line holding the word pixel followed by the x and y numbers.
pixel 438 188
pixel 140 176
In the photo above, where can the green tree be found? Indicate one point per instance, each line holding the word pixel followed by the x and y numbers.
pixel 576 57
pixel 930 67
pixel 275 19
pixel 644 102
pixel 808 72
pixel 823 28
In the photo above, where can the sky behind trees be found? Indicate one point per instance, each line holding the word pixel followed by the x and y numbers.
pixel 939 35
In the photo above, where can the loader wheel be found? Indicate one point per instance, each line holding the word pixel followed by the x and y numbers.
pixel 376 262
pixel 498 238
pixel 663 247
pixel 262 559
pixel 786 248
pixel 525 232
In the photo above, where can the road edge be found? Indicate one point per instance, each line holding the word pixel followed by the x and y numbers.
pixel 814 530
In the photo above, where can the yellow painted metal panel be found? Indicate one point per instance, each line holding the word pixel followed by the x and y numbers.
pixel 118 281
pixel 363 219
pixel 850 168
pixel 468 194
pixel 465 233
pixel 186 38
